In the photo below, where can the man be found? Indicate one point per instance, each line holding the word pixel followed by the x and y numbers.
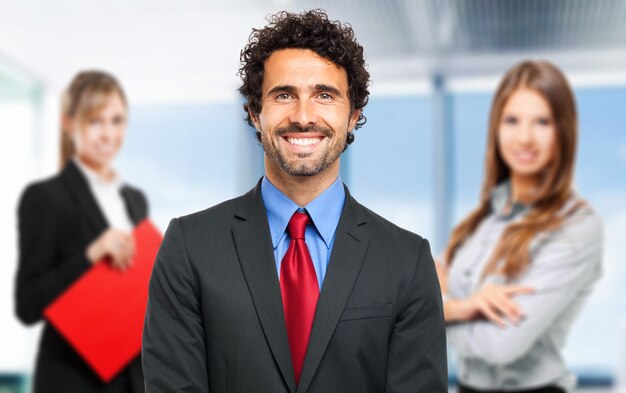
pixel 296 287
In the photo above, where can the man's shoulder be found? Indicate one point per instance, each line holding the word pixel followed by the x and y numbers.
pixel 398 249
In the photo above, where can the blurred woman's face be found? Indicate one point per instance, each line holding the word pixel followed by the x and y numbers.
pixel 527 134
pixel 99 137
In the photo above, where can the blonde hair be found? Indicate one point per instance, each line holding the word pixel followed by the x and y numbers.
pixel 88 93
pixel 554 187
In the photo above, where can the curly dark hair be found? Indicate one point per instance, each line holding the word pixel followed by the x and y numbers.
pixel 312 30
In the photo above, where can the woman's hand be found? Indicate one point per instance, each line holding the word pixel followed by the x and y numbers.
pixel 117 245
pixel 492 302
pixel 495 303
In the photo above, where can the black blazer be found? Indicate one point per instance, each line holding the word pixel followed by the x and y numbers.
pixel 58 218
pixel 215 319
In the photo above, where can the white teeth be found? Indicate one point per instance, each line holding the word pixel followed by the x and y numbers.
pixel 303 141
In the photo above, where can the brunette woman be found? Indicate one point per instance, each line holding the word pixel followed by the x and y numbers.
pixel 519 267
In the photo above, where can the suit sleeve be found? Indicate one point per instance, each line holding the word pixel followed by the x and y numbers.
pixel 417 359
pixel 174 349
pixel 563 270
pixel 41 278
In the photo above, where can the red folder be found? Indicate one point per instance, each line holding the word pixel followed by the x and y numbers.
pixel 101 315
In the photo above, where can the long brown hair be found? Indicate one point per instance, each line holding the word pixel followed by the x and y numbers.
pixel 554 187
pixel 87 94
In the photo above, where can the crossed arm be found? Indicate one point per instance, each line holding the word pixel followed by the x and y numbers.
pixel 499 323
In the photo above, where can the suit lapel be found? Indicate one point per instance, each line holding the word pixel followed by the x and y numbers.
pixel 350 247
pixel 254 248
pixel 77 184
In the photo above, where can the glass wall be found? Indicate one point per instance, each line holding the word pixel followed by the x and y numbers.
pixel 390 165
pixel 189 157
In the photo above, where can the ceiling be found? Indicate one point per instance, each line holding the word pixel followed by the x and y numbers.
pixel 187 49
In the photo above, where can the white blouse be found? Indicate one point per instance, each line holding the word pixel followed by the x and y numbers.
pixel 108 195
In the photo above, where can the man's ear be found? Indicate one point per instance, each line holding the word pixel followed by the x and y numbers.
pixel 255 120
pixel 354 118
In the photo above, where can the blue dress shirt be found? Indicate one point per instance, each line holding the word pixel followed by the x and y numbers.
pixel 324 211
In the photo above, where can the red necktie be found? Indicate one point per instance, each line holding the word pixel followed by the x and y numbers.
pixel 299 288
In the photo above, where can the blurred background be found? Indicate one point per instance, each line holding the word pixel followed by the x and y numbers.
pixel 418 161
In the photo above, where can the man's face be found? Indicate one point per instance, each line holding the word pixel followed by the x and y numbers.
pixel 305 115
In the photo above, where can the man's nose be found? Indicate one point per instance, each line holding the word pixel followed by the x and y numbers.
pixel 304 113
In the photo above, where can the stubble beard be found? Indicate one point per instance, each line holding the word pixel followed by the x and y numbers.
pixel 302 165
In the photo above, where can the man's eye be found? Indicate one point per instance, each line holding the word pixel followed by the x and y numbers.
pixel 325 96
pixel 283 96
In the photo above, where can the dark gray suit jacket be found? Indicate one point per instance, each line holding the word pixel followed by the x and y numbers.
pixel 215 319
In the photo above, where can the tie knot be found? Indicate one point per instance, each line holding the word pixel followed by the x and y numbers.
pixel 297 225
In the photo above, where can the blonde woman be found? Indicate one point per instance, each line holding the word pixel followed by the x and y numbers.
pixel 76 219
pixel 519 267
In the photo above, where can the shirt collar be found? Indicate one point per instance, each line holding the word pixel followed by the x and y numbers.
pixel 324 210
pixel 500 196
pixel 94 179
